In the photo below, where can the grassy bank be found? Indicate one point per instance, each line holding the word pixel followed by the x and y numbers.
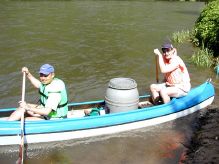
pixel 204 35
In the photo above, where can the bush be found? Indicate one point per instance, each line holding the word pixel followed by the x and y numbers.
pixel 206 30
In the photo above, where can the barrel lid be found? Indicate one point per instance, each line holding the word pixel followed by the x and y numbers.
pixel 122 83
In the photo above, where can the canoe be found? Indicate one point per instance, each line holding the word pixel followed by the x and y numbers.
pixel 77 126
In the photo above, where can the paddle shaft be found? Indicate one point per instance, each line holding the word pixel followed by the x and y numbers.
pixel 157 69
pixel 23 87
pixel 21 150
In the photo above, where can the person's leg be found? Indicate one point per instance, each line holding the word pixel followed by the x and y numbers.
pixel 16 115
pixel 171 92
pixel 164 95
pixel 155 91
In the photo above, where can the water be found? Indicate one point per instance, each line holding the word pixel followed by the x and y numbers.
pixel 90 42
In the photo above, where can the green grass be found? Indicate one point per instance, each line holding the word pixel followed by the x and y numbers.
pixel 180 37
pixel 204 58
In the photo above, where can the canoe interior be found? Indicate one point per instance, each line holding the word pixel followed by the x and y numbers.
pixel 196 96
pixel 77 109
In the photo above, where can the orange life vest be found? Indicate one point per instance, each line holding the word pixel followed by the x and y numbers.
pixel 178 76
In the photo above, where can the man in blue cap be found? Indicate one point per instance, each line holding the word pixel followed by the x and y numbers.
pixel 53 97
pixel 176 77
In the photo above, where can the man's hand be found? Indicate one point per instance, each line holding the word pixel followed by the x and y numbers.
pixel 26 70
pixel 22 104
pixel 157 52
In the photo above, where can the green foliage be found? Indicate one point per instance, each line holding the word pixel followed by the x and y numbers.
pixel 206 30
pixel 203 57
pixel 180 37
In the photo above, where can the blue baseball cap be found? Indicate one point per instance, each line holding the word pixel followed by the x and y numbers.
pixel 167 45
pixel 46 69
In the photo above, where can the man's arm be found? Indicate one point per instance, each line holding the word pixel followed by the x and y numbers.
pixel 51 104
pixel 38 110
pixel 168 68
pixel 36 83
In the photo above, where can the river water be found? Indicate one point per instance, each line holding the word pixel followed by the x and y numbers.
pixel 90 42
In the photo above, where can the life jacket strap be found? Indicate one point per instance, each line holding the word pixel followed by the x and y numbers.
pixel 42 94
pixel 62 105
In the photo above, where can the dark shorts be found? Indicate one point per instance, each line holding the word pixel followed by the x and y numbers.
pixel 49 118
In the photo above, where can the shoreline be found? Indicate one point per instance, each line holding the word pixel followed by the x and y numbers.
pixel 204 144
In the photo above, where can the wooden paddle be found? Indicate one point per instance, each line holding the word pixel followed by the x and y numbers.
pixel 21 148
pixel 157 69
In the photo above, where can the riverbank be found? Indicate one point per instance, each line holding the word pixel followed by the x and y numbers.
pixel 204 145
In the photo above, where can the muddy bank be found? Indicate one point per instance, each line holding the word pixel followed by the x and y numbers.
pixel 204 145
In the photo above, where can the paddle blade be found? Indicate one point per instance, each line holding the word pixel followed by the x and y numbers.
pixel 21 152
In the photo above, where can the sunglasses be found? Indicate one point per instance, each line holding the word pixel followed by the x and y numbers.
pixel 165 50
pixel 43 75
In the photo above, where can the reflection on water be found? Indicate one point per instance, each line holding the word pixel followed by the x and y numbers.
pixel 90 42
